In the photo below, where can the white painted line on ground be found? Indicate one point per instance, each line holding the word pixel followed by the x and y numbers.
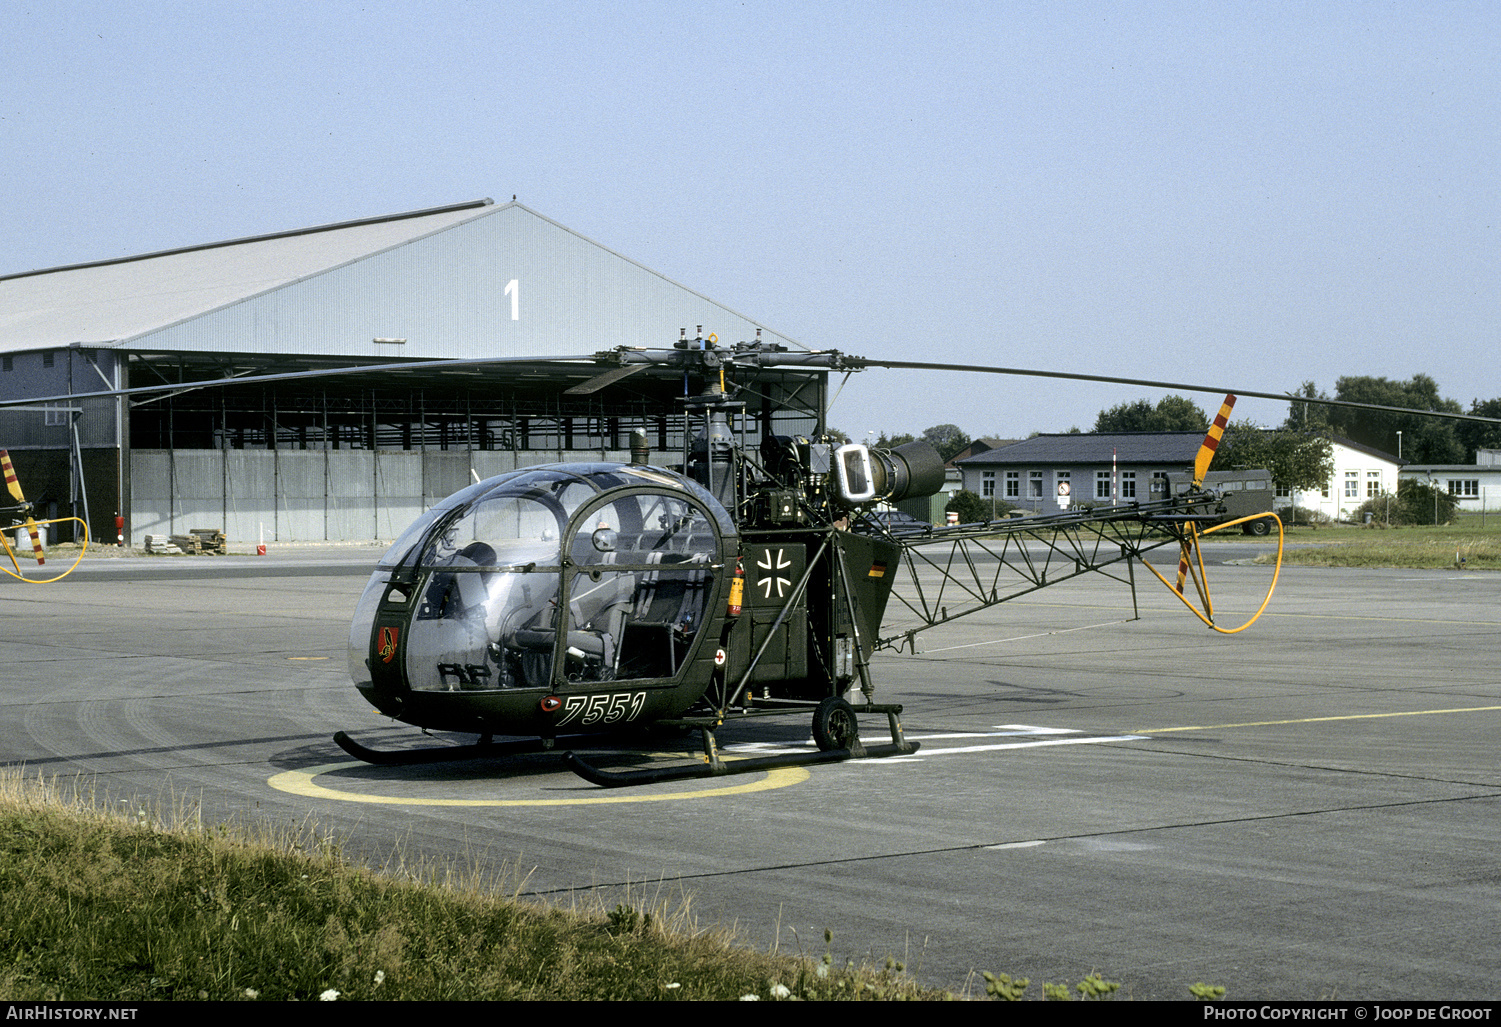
pixel 1002 731
pixel 929 751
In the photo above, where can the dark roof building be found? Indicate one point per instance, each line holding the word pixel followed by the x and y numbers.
pixel 1050 472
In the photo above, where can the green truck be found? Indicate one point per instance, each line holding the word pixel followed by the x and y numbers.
pixel 1242 493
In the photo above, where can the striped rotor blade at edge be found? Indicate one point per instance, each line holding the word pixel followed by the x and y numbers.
pixel 36 542
pixel 1212 441
pixel 10 477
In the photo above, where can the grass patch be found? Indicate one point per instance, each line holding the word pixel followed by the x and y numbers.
pixel 1469 542
pixel 112 903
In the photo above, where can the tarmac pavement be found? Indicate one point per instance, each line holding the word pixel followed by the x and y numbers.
pixel 1307 809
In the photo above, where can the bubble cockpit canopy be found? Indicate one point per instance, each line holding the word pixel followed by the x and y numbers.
pixel 549 576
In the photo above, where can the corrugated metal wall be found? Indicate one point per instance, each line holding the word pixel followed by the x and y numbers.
pixel 57 372
pixel 307 495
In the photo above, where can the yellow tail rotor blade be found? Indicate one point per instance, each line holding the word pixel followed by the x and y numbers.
pixel 10 477
pixel 1212 441
pixel 82 532
pixel 36 542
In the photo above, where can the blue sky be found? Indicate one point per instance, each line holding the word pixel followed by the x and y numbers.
pixel 1245 195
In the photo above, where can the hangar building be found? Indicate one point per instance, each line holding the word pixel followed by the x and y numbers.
pixel 355 455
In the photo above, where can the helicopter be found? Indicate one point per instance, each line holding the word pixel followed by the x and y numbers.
pixel 34 529
pixel 746 579
pixel 737 579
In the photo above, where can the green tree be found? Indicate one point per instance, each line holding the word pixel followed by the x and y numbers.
pixel 1432 440
pixel 970 507
pixel 1307 416
pixel 1416 502
pixel 1474 435
pixel 1301 460
pixel 948 439
pixel 1172 413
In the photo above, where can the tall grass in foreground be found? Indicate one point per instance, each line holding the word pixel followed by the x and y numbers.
pixel 102 903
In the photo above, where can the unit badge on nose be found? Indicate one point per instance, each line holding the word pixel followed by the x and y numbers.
pixel 385 645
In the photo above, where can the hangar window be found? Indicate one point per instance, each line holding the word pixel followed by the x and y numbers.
pixel 1102 484
pixel 1128 484
pixel 1013 484
pixel 1352 484
pixel 1034 484
pixel 1464 488
pixel 987 484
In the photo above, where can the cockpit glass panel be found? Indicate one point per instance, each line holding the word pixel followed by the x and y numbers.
pixel 645 570
pixel 497 605
pixel 642 528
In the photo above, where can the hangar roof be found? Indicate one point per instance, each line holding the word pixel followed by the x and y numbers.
pixel 468 280
pixel 111 301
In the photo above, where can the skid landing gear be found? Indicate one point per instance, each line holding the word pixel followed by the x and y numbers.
pixel 835 730
pixel 484 749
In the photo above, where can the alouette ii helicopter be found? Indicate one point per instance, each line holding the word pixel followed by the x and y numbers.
pixel 738 579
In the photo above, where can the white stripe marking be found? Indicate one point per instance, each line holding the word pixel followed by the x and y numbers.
pixel 1002 731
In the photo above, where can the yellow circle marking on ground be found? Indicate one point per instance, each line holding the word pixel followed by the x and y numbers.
pixel 301 782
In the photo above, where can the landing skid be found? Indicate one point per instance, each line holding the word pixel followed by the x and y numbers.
pixel 833 722
pixel 439 754
pixel 622 778
pixel 834 726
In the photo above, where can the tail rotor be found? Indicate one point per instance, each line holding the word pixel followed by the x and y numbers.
pixel 1191 556
pixel 25 509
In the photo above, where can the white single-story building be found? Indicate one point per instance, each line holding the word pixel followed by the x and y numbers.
pixel 1477 485
pixel 1360 472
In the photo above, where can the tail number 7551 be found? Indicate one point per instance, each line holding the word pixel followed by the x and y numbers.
pixel 608 708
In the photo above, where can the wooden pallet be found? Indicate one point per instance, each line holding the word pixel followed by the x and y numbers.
pixel 198 542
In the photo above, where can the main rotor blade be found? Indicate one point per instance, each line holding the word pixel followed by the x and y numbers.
pixel 610 377
pixel 287 376
pixel 1283 397
pixel 831 360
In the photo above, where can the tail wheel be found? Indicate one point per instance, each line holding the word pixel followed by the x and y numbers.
pixel 834 725
pixel 1261 527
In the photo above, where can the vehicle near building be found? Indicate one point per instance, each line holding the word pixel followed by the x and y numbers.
pixel 1243 492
